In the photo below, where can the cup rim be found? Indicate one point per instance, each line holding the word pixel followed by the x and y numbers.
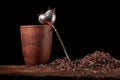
pixel 34 25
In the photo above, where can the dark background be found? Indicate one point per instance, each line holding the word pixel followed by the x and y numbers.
pixel 83 26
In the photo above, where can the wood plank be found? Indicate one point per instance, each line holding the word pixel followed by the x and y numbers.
pixel 36 71
pixel 47 71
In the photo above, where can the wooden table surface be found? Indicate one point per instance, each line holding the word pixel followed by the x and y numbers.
pixel 36 71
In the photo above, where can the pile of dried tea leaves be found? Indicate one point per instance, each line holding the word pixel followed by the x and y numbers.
pixel 97 60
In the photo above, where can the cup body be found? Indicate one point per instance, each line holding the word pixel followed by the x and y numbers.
pixel 36 41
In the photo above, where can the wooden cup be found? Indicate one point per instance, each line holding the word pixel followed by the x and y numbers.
pixel 36 41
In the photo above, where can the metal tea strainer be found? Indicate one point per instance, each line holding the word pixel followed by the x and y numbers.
pixel 49 18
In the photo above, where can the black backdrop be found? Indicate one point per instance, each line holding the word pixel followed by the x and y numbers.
pixel 83 26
